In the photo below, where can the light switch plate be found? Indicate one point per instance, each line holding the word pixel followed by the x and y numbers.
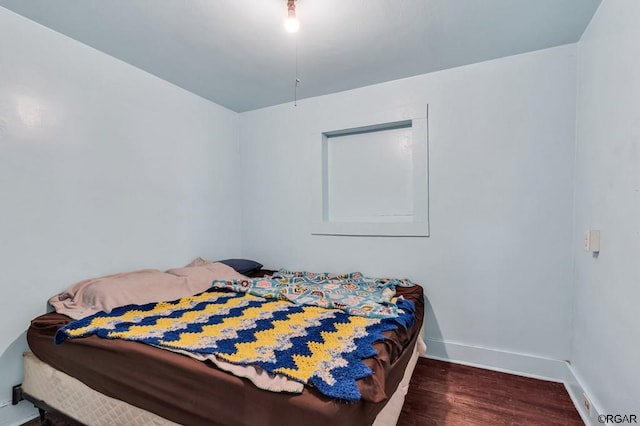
pixel 592 240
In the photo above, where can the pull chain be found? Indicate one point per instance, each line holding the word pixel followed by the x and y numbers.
pixel 297 81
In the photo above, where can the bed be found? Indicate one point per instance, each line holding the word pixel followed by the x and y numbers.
pixel 116 382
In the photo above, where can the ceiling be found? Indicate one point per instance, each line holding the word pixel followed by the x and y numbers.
pixel 237 54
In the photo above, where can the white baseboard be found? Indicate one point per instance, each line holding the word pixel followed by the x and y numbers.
pixel 492 359
pixel 15 415
pixel 576 390
pixel 515 363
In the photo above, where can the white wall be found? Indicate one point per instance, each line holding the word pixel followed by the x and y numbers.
pixel 606 345
pixel 103 168
pixel 497 266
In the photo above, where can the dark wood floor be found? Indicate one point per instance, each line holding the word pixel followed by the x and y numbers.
pixel 442 393
pixel 448 394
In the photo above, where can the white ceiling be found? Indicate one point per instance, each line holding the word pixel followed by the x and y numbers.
pixel 237 54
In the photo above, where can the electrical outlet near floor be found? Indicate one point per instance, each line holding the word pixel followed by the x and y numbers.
pixel 587 404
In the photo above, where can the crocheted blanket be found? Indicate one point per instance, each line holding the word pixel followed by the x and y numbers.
pixel 316 346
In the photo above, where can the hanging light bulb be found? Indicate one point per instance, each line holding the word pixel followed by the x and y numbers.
pixel 291 24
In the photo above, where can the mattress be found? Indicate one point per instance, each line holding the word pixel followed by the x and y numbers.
pixel 182 390
pixel 48 386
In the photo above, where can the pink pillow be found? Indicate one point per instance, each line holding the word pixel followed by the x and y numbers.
pixel 204 272
pixel 139 287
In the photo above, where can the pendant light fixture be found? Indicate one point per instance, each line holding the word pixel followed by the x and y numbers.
pixel 291 24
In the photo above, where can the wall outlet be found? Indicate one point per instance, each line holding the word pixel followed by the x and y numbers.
pixel 16 394
pixel 586 402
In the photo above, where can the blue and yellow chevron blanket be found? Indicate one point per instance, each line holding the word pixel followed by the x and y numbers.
pixel 320 347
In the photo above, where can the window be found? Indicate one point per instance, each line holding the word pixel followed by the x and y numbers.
pixel 373 180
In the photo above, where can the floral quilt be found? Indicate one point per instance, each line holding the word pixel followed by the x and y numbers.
pixel 353 293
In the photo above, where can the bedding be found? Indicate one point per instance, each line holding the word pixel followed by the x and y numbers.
pixel 187 391
pixel 139 287
pixel 78 401
pixel 243 266
pixel 309 344
pixel 352 292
